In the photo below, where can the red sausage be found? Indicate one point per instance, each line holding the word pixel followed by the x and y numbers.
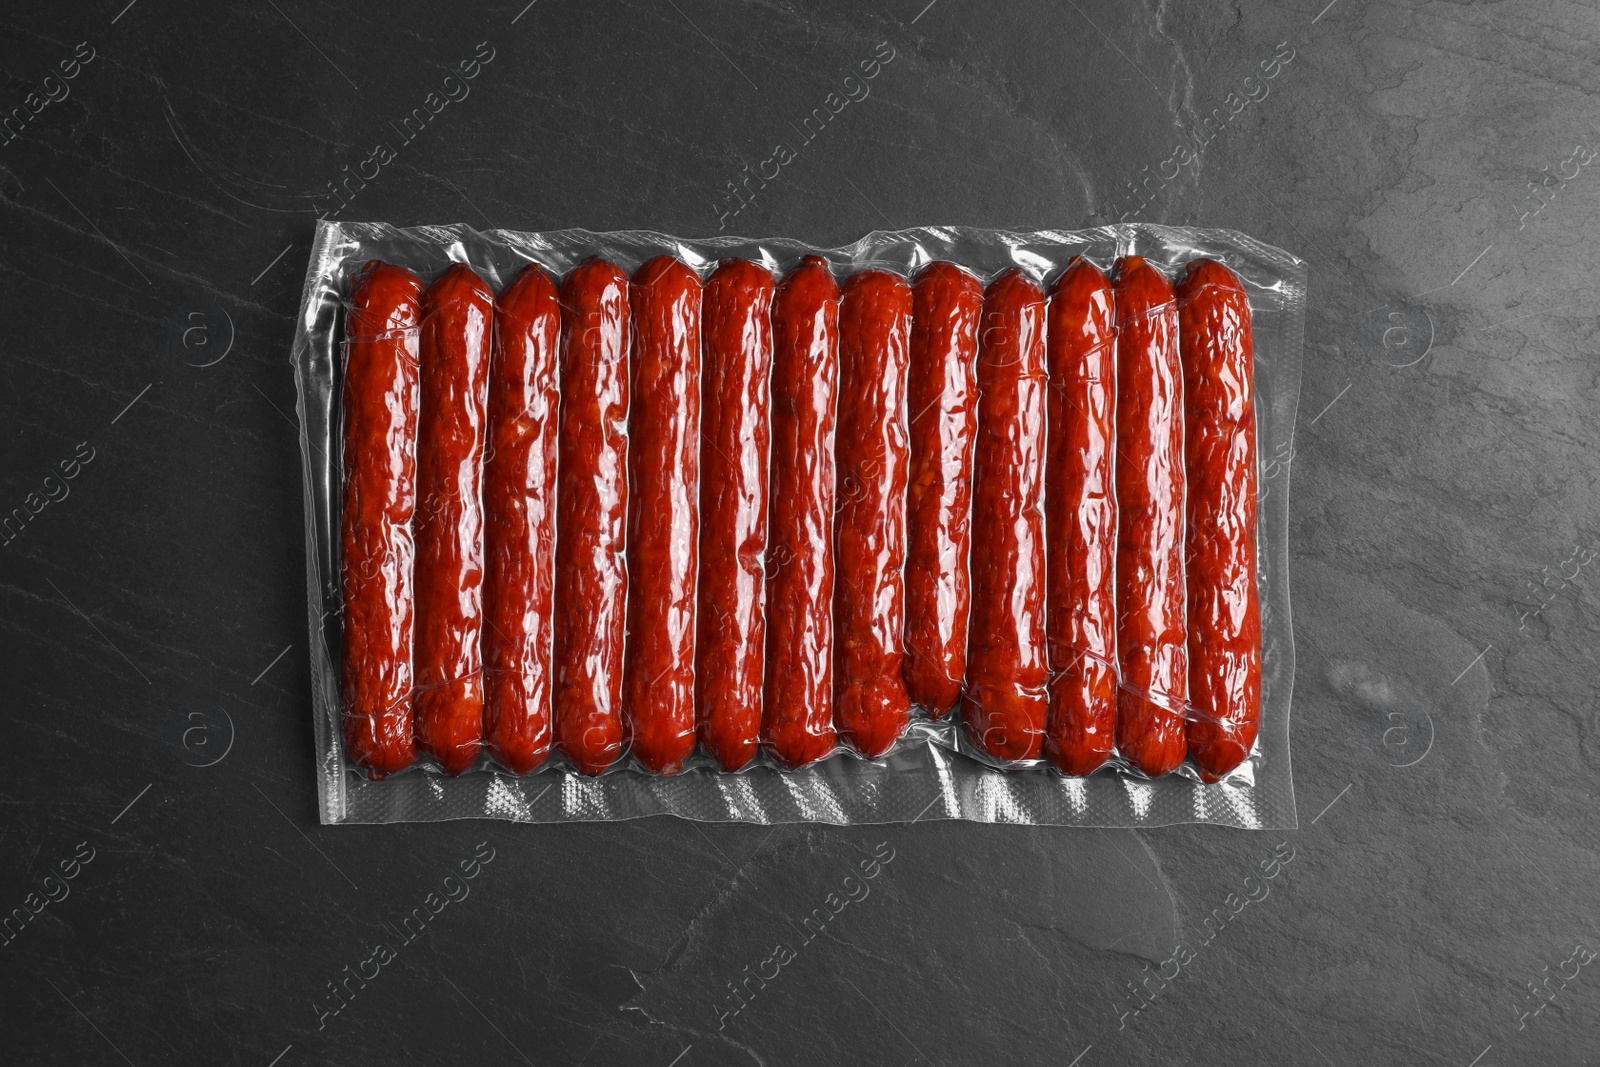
pixel 797 712
pixel 1220 455
pixel 1150 590
pixel 730 632
pixel 1081 520
pixel 663 505
pixel 519 493
pixel 591 506
pixel 941 395
pixel 1004 702
pixel 871 707
pixel 457 323
pixel 379 499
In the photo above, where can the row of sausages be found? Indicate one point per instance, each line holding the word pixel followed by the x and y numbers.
pixel 618 514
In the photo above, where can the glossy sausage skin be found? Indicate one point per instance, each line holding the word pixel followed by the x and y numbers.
pixel 1151 635
pixel 379 498
pixel 663 508
pixel 1004 701
pixel 591 586
pixel 730 634
pixel 1081 520
pixel 1220 455
pixel 797 707
pixel 457 325
pixel 941 396
pixel 519 494
pixel 871 707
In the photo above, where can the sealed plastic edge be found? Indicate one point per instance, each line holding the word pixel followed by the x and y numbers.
pixel 925 776
pixel 319 537
pixel 1273 528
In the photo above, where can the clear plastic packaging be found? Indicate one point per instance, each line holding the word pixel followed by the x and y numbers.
pixel 934 770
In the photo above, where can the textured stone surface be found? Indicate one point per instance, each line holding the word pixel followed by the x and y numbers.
pixel 1445 725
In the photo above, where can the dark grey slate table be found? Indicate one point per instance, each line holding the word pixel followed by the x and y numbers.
pixel 1432 161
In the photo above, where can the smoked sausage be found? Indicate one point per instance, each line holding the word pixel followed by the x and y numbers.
pixel 941 394
pixel 379 498
pixel 1004 699
pixel 871 707
pixel 457 324
pixel 797 705
pixel 1151 633
pixel 591 582
pixel 519 495
pixel 663 507
pixel 1224 609
pixel 730 633
pixel 1081 520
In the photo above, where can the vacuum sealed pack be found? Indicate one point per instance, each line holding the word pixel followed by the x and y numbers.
pixel 946 523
